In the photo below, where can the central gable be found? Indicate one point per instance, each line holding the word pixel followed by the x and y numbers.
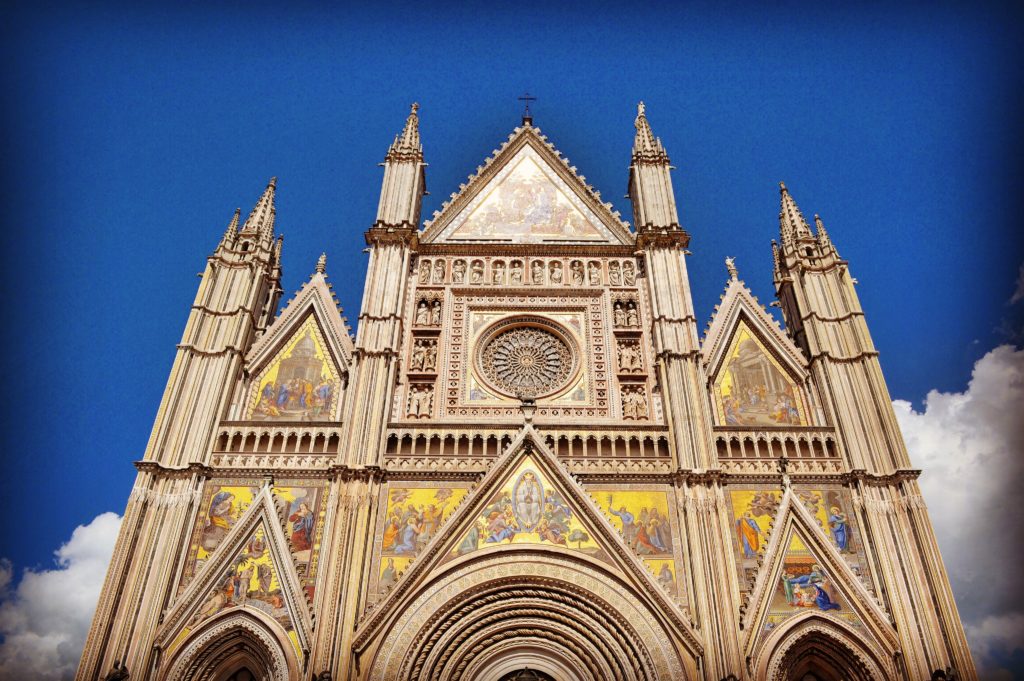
pixel 527 194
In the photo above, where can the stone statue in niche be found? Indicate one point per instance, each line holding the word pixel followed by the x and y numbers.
pixel 537 272
pixel 629 273
pixel 476 275
pixel 634 404
pixel 435 313
pixel 576 269
pixel 515 272
pixel 424 356
pixel 632 316
pixel 422 313
pixel 419 355
pixel 439 269
pixel 594 273
pixel 614 273
pixel 421 400
pixel 424 272
pixel 556 272
pixel 498 272
pixel 619 315
pixel 459 272
pixel 629 356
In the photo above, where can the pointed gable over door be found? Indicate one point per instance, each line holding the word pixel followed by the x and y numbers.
pixel 527 193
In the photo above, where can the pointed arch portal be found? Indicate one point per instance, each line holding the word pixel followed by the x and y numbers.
pixel 240 645
pixel 492 618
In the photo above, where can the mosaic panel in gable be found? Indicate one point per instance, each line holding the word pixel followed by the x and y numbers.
pixel 753 389
pixel 410 516
pixel 224 502
pixel 528 509
pixel 301 383
pixel 754 508
pixel 646 520
pixel 251 580
pixel 526 201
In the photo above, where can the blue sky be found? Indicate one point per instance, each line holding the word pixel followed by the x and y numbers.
pixel 131 133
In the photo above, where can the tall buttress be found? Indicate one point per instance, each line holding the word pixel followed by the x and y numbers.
pixel 238 293
pixel 683 383
pixel 824 316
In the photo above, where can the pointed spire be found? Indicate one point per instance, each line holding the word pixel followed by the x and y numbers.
pixel 823 237
pixel 646 146
pixel 792 225
pixel 232 231
pixel 261 219
pixel 408 142
pixel 321 264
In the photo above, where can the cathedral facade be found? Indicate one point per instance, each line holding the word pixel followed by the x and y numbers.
pixel 529 462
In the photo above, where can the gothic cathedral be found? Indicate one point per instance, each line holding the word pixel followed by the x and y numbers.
pixel 528 463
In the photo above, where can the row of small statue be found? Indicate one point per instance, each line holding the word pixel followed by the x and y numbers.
pixel 427 313
pixel 424 356
pixel 421 401
pixel 618 275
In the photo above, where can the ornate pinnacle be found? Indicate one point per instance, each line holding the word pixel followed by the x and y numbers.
pixel 792 225
pixel 730 266
pixel 321 264
pixel 408 142
pixel 261 219
pixel 819 227
pixel 646 146
pixel 232 231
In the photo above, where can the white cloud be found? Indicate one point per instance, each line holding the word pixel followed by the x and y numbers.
pixel 970 446
pixel 45 619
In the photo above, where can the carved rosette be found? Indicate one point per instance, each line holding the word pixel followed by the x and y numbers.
pixel 527 357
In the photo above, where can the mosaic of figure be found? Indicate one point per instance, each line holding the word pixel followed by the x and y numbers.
pixel 300 384
pixel 413 516
pixel 527 510
pixel 642 518
pixel 804 585
pixel 459 272
pixel 752 388
pixel 527 202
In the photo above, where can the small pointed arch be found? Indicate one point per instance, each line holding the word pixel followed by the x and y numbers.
pixel 234 641
pixel 757 375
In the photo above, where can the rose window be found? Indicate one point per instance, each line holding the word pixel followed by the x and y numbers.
pixel 526 360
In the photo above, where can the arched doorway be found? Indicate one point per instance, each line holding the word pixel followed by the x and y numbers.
pixel 238 645
pixel 492 618
pixel 527 675
pixel 821 649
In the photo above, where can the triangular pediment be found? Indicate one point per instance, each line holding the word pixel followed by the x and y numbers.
pixel 252 569
pixel 527 193
pixel 526 502
pixel 803 575
pixel 758 376
pixel 300 365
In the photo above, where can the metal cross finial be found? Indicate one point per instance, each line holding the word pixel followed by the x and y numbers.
pixel 526 98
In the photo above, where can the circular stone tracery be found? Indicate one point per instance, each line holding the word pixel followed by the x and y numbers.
pixel 527 359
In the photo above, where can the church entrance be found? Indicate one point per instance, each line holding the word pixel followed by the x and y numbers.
pixel 527 675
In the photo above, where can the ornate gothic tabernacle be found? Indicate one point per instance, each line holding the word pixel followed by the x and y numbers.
pixel 527 464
